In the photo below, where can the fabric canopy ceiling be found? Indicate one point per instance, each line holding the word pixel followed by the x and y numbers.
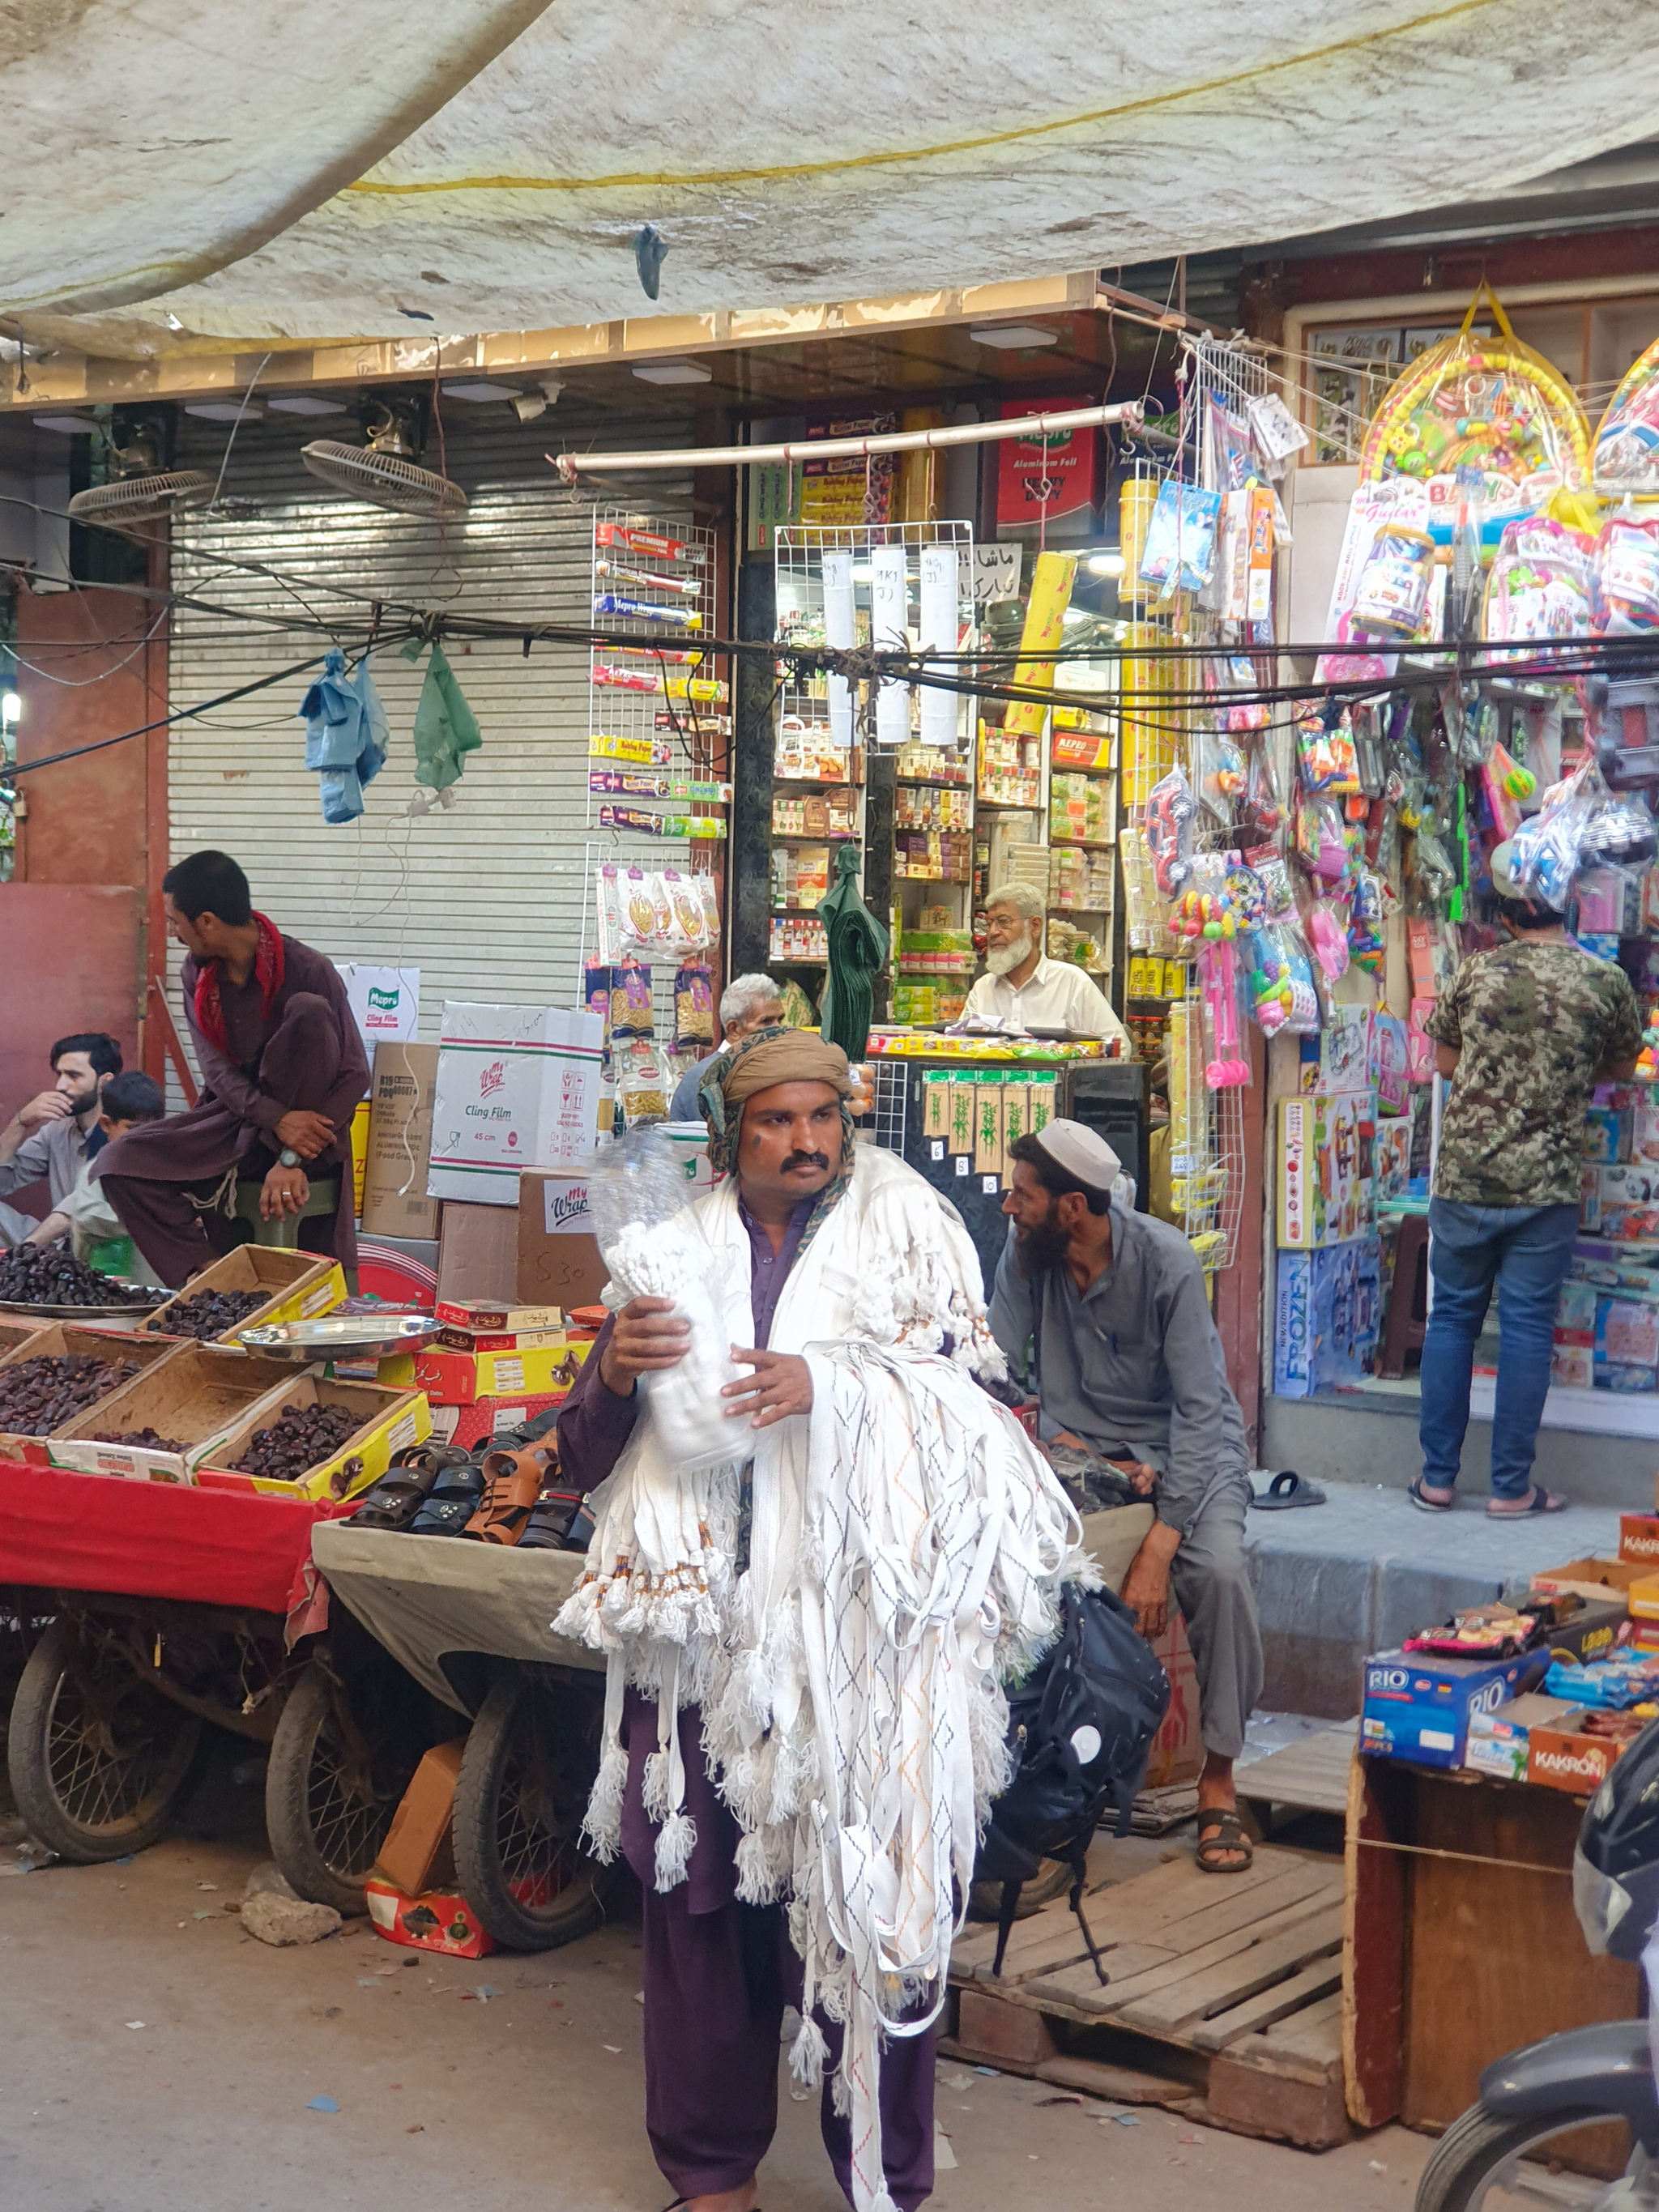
pixel 198 169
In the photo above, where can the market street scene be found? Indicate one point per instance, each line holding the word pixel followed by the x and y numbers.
pixel 829 1108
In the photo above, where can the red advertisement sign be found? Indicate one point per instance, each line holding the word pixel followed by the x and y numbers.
pixel 1043 478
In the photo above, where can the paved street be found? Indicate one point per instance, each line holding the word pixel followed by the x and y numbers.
pixel 450 2099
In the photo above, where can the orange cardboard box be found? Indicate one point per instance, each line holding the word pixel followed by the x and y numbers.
pixel 415 1856
pixel 1639 1538
pixel 1563 1758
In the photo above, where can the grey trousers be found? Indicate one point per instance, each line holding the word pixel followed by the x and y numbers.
pixel 1211 1584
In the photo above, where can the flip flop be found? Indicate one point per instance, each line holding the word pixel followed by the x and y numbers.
pixel 1225 1832
pixel 395 1499
pixel 442 1516
pixel 1426 1504
pixel 1286 1491
pixel 1543 1501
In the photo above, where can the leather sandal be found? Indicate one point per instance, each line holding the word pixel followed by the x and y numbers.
pixel 560 1521
pixel 395 1499
pixel 513 1482
pixel 1220 1834
pixel 451 1503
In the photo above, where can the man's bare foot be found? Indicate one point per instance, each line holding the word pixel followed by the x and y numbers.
pixel 1221 1849
pixel 727 2200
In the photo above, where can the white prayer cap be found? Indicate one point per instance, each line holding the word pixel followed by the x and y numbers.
pixel 1082 1152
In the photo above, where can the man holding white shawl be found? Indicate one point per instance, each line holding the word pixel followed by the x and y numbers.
pixel 805 1642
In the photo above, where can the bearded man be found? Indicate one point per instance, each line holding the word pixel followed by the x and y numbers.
pixel 1024 986
pixel 1109 1308
pixel 805 1642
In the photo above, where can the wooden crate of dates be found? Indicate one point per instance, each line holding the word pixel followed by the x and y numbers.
pixel 347 1452
pixel 255 1287
pixel 161 1425
pixel 57 1371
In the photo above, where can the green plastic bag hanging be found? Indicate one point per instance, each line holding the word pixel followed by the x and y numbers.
pixel 446 727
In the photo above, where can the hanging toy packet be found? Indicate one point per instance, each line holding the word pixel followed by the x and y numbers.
pixel 1179 551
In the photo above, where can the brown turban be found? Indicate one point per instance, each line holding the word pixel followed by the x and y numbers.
pixel 765 1057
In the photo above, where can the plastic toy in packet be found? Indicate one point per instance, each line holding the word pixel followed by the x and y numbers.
pixel 1626 459
pixel 1324 751
pixel 1321 841
pixel 1482 420
pixel 1179 551
pixel 1539 587
pixel 1626 576
pixel 1168 828
pixel 1545 851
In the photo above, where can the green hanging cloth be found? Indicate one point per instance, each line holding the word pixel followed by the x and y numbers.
pixel 446 727
pixel 857 950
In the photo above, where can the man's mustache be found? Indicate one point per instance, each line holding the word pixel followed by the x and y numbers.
pixel 806 1160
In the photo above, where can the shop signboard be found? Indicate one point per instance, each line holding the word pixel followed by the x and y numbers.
pixel 1046 479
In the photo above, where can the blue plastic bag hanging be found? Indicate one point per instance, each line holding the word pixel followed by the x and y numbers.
pixel 346 735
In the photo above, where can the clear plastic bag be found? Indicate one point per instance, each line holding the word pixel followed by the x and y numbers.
pixel 654 1248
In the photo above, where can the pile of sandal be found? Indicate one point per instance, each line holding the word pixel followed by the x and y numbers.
pixel 506 1493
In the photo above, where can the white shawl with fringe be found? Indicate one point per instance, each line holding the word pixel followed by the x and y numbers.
pixel 907 1545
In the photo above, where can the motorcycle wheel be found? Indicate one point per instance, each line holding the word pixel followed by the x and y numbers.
pixel 1485 2164
pixel 528 1766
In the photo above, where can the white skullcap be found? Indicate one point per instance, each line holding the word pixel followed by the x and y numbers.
pixel 1082 1152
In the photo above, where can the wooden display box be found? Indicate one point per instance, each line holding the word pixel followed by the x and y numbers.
pixel 389 1420
pixel 198 1397
pixel 14 1333
pixel 60 1340
pixel 299 1286
pixel 1459 1900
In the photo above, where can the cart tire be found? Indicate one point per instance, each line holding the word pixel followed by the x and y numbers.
pixel 327 1813
pixel 529 1764
pixel 94 1786
pixel 1471 2156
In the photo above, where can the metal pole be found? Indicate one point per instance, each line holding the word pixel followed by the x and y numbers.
pixel 1128 412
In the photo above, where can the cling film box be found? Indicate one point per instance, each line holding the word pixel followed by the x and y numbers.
pixel 518 1087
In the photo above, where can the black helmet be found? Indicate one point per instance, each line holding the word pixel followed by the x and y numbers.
pixel 1615 1866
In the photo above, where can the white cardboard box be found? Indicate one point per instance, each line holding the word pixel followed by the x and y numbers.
pixel 386 1002
pixel 518 1087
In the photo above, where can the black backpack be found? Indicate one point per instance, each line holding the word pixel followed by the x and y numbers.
pixel 1081 1724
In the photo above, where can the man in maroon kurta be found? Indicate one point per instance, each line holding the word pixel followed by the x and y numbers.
pixel 283 1068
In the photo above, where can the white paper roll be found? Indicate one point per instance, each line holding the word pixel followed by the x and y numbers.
pixel 940 588
pixel 839 630
pixel 887 630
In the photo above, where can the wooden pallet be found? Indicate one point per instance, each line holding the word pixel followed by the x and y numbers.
pixel 1224 1991
pixel 1311 1775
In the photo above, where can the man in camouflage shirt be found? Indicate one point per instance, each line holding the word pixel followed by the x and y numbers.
pixel 1523 1033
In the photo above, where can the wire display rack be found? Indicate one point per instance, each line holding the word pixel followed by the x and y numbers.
pixel 658 708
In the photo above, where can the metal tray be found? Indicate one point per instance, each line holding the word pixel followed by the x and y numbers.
pixel 350 1336
pixel 132 1310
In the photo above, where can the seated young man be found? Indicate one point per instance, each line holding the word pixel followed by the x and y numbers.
pixel 84 1214
pixel 282 1069
pixel 1112 1307
pixel 49 1138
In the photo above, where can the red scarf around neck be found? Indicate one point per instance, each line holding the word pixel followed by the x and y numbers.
pixel 268 963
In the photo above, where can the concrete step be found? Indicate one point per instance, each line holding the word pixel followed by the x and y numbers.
pixel 1371 1436
pixel 1336 1582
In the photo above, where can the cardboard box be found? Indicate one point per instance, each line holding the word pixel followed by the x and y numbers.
pixel 60 1340
pixel 1639 1539
pixel 389 1420
pixel 385 1002
pixel 1593 1630
pixel 471 1425
pixel 483 1316
pixel 518 1087
pixel 1498 1742
pixel 478 1257
pixel 401 1270
pixel 439 1921
pixel 417 1854
pixel 1325 1186
pixel 1417 1706
pixel 299 1286
pixel 455 1338
pixel 558 1261
pixel 1643 1599
pixel 1591 1577
pixel 1327 1317
pixel 194 1395
pixel 401 1103
pixel 459 1378
pixel 1562 1757
pixel 13 1334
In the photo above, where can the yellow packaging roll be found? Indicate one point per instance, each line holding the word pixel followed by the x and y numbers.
pixel 1135 511
pixel 1045 619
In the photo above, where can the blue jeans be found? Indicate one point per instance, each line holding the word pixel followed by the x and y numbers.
pixel 1526 1250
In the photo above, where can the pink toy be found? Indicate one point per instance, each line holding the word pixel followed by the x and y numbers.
pixel 1217 972
pixel 1328 941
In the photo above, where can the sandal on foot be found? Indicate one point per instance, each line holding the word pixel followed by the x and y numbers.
pixel 1428 1505
pixel 1542 1501
pixel 1219 1833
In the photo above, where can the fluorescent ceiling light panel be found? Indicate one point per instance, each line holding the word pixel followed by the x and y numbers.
pixel 226 410
pixel 71 426
pixel 306 403
pixel 672 372
pixel 1013 337
pixel 476 389
pixel 1104 564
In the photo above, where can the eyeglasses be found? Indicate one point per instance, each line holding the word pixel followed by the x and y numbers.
pixel 1005 925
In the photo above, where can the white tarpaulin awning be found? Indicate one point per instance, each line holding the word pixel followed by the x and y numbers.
pixel 375 172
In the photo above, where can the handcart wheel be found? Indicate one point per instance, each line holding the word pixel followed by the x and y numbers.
pixel 342 1755
pixel 97 1759
pixel 529 1764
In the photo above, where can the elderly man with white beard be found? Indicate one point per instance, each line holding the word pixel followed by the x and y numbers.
pixel 805 1641
pixel 1025 986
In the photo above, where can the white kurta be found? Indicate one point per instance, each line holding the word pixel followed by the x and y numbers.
pixel 1059 995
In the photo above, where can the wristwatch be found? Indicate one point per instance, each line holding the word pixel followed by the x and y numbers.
pixel 289 1157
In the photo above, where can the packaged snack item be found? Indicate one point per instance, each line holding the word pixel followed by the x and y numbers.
pixel 644 1084
pixel 646 916
pixel 597 981
pixel 694 1007
pixel 630 1001
pixel 612 928
pixel 687 930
